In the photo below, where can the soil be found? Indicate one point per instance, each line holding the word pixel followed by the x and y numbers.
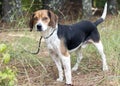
pixel 36 75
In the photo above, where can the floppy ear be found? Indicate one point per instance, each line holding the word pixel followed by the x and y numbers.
pixel 53 19
pixel 31 22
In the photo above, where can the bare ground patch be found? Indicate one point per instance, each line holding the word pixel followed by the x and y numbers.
pixel 31 73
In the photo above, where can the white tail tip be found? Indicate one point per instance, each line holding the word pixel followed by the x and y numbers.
pixel 104 12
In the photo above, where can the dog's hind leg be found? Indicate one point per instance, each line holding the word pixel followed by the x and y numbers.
pixel 79 58
pixel 100 49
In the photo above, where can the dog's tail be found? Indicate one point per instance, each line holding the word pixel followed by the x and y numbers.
pixel 102 18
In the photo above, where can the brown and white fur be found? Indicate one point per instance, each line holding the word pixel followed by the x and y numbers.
pixel 63 39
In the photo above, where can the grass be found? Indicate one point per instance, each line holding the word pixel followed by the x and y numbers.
pixel 39 70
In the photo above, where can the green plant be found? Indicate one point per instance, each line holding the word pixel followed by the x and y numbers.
pixel 7 75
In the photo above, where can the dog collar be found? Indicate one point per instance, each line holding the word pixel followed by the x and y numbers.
pixel 50 34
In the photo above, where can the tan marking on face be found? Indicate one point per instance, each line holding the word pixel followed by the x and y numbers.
pixel 47 17
pixel 63 49
pixel 41 15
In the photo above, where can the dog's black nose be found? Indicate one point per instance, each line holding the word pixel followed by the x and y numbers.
pixel 39 27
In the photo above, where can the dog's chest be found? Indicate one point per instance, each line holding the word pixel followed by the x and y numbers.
pixel 53 43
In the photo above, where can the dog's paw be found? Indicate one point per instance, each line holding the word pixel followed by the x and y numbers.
pixel 68 85
pixel 105 68
pixel 60 80
pixel 74 68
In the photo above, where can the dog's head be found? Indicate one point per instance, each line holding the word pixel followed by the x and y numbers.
pixel 42 20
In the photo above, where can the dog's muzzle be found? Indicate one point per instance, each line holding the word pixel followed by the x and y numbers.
pixel 39 27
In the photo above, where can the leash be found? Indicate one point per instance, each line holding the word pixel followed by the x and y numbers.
pixel 37 49
pixel 50 34
pixel 39 44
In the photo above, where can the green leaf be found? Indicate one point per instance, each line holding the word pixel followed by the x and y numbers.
pixel 3 47
pixel 11 83
pixel 4 76
pixel 0 74
pixel 6 58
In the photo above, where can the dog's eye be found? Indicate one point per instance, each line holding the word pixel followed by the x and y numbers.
pixel 44 18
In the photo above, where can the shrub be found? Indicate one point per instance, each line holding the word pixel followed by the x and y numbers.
pixel 7 75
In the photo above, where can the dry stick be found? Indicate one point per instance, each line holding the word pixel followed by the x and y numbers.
pixel 26 73
pixel 100 81
pixel 37 53
pixel 42 66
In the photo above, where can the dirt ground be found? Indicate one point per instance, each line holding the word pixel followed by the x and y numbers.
pixel 36 76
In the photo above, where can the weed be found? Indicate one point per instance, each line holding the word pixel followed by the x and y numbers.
pixel 7 75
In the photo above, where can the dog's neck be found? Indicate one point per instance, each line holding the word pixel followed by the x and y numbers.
pixel 49 32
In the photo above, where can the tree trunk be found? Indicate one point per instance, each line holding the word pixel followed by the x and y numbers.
pixel 11 10
pixel 87 8
pixel 112 7
pixel 6 9
pixel 18 7
pixel 0 9
pixel 53 4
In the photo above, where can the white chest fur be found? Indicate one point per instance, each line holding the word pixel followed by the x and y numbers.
pixel 53 42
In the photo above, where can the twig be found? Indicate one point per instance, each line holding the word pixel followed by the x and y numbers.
pixel 26 73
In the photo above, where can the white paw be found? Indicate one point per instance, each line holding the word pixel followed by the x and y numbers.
pixel 74 68
pixel 105 68
pixel 60 80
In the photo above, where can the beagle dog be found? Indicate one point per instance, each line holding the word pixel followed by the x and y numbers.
pixel 63 39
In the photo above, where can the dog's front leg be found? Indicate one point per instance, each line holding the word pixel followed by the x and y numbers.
pixel 67 68
pixel 57 61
